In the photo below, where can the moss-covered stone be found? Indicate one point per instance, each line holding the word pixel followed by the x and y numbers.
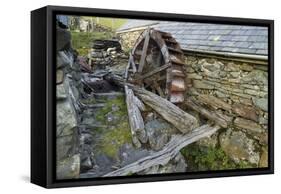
pixel 117 131
pixel 68 168
pixel 202 158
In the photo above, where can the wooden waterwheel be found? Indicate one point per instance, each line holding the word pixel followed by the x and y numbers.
pixel 156 63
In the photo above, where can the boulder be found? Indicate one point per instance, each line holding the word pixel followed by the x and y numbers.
pixel 158 133
pixel 68 168
pixel 61 92
pixel 211 141
pixel 66 120
pixel 65 146
pixel 129 154
pixel 63 60
pixel 239 147
pixel 86 156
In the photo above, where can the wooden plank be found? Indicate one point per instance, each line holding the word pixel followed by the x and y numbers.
pixel 171 40
pixel 183 121
pixel 158 89
pixel 131 58
pixel 157 70
pixel 177 73
pixel 175 50
pixel 127 70
pixel 175 59
pixel 163 156
pixel 135 118
pixel 177 85
pixel 144 51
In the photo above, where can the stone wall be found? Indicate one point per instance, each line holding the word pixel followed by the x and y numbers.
pixel 236 92
pixel 67 155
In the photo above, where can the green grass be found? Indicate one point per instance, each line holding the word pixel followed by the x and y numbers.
pixel 82 41
pixel 112 23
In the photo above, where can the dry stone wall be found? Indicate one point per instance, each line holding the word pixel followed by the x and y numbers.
pixel 236 92
pixel 67 156
pixel 128 39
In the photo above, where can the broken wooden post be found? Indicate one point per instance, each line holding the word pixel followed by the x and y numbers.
pixel 170 112
pixel 171 149
pixel 144 50
pixel 135 118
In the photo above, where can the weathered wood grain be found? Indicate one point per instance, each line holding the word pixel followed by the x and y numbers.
pixel 162 157
pixel 135 118
pixel 170 112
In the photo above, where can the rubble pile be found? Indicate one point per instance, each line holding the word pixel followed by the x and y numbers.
pixel 105 53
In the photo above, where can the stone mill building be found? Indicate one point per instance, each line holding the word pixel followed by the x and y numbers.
pixel 227 75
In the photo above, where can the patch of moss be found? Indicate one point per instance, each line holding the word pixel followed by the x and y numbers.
pixel 202 158
pixel 89 101
pixel 114 136
pixel 119 102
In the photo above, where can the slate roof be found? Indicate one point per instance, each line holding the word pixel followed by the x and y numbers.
pixel 211 37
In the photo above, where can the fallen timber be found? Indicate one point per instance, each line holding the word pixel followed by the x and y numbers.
pixel 135 119
pixel 183 121
pixel 171 149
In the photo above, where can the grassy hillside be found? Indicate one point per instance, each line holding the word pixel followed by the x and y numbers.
pixel 81 41
pixel 113 23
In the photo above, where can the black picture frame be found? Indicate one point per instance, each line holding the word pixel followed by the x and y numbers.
pixel 43 95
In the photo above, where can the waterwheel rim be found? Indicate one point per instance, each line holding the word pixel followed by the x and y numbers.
pixel 157 63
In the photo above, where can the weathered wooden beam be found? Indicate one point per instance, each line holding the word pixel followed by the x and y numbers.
pixel 177 84
pixel 163 156
pixel 154 71
pixel 135 119
pixel 183 121
pixel 144 51
pixel 211 115
pixel 132 62
pixel 170 112
pixel 158 89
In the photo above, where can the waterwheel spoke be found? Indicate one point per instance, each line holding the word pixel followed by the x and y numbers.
pixel 144 51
